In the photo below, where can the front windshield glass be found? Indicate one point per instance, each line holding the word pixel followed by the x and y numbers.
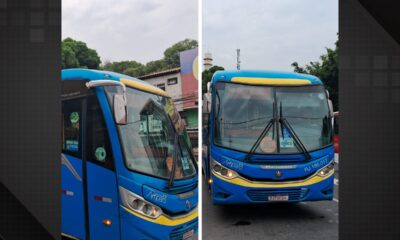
pixel 148 138
pixel 241 112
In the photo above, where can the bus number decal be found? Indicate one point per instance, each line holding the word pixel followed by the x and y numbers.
pixel 161 198
pixel 316 165
pixel 233 165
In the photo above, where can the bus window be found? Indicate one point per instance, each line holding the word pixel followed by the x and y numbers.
pixel 99 147
pixel 72 127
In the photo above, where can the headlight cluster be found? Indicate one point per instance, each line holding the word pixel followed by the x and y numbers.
pixel 137 204
pixel 223 171
pixel 326 170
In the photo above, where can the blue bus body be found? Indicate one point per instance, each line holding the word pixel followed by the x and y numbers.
pixel 92 204
pixel 264 178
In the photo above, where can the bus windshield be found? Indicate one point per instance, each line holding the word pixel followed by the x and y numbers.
pixel 148 138
pixel 242 112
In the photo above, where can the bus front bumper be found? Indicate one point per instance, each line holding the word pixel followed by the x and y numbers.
pixel 242 191
pixel 135 226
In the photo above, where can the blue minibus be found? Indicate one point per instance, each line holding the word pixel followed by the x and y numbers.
pixel 268 137
pixel 128 170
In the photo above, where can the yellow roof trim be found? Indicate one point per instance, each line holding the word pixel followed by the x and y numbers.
pixel 245 183
pixel 271 81
pixel 144 87
pixel 164 220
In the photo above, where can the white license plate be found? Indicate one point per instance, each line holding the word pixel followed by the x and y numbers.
pixel 278 198
pixel 188 234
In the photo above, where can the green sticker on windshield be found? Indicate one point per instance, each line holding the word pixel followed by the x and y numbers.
pixel 74 117
pixel 100 154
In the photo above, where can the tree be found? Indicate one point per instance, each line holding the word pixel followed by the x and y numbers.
pixel 326 70
pixel 171 54
pixel 207 75
pixel 135 68
pixel 154 66
pixel 76 54
pixel 68 58
pixel 170 60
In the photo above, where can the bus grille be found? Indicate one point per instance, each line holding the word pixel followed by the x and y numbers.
pixel 177 234
pixel 262 195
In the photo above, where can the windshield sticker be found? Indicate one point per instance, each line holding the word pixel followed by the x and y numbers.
pixel 268 145
pixel 286 141
pixel 72 145
pixel 74 117
pixel 321 96
pixel 100 154
pixel 185 164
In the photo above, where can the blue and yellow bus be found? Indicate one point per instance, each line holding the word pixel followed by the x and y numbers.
pixel 128 170
pixel 268 138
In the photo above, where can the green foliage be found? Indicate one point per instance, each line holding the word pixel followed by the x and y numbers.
pixel 154 66
pixel 171 54
pixel 207 75
pixel 125 67
pixel 76 54
pixel 68 58
pixel 327 70
pixel 170 60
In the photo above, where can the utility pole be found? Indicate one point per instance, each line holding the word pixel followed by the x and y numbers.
pixel 238 59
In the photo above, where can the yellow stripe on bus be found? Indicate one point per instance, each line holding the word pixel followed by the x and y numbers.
pixel 163 220
pixel 245 183
pixel 271 81
pixel 144 87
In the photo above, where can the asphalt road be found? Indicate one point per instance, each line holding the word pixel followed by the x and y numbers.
pixel 280 221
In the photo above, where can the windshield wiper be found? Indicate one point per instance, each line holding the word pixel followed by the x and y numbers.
pixel 263 133
pixel 219 104
pixel 285 124
pixel 174 160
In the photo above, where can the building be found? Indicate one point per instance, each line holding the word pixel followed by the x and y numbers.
pixel 207 61
pixel 169 81
pixel 182 85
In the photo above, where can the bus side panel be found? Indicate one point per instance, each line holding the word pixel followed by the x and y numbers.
pixel 72 200
pixel 103 202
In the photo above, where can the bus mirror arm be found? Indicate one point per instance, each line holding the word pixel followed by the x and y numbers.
pixel 119 102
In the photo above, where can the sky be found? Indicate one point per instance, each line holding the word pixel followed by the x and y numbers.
pixel 129 29
pixel 271 34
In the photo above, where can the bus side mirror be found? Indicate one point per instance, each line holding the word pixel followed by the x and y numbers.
pixel 330 107
pixel 120 109
pixel 209 87
pixel 207 103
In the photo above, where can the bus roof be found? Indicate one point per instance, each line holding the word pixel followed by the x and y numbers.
pixel 258 77
pixel 93 75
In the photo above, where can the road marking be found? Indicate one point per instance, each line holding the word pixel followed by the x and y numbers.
pixel 336 181
pixel 336 200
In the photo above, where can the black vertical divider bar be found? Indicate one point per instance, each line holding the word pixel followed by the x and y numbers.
pixel 84 166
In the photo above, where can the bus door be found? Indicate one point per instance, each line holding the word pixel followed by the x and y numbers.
pixel 90 197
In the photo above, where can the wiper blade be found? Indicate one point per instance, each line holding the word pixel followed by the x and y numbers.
pixel 174 161
pixel 285 124
pixel 258 141
pixel 219 103
pixel 263 133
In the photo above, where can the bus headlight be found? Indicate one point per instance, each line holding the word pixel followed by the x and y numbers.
pixel 137 204
pixel 223 171
pixel 326 170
